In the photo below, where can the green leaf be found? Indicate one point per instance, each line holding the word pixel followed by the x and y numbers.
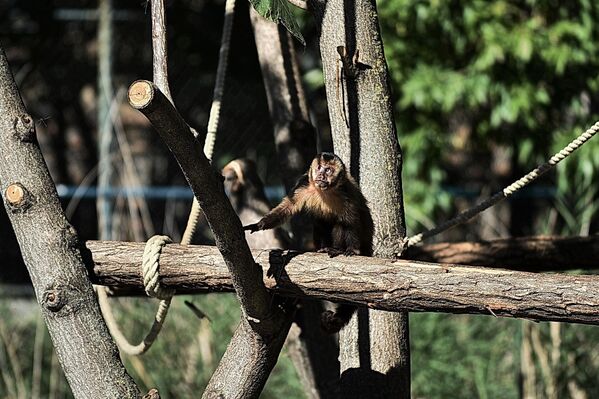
pixel 279 11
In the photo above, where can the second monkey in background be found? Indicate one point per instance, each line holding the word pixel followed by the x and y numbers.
pixel 246 193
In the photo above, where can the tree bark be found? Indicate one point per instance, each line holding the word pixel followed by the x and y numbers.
pixel 249 376
pixel 383 284
pixel 49 246
pixel 374 351
pixel 314 353
pixel 263 322
pixel 295 137
pixel 533 254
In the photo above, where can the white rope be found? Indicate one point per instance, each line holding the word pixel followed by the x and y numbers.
pixel 151 265
pixel 153 249
pixel 507 191
pixel 213 120
pixel 151 278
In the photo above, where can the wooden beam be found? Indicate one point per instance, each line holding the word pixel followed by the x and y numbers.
pixel 534 254
pixel 386 284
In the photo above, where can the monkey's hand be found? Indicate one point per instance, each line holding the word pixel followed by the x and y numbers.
pixel 350 252
pixel 254 227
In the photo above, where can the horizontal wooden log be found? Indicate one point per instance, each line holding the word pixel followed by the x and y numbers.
pixel 386 284
pixel 534 254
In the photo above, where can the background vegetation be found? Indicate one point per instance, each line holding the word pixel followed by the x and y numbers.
pixel 484 90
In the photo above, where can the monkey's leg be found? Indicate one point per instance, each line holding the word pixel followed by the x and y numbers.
pixel 346 239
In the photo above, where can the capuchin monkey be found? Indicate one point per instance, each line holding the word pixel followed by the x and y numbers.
pixel 342 220
pixel 246 194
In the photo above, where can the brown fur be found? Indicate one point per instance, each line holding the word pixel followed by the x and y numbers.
pixel 342 220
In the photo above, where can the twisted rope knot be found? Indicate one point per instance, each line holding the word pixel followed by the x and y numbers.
pixel 150 271
pixel 151 267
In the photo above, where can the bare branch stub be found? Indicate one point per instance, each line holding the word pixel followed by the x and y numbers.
pixel 16 195
pixel 140 94
pixel 152 394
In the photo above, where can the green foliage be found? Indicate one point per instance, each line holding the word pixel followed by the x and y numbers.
pixel 518 73
pixel 279 11
pixel 464 356
pixel 166 366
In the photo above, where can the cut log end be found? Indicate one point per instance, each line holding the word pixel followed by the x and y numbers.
pixel 152 394
pixel 140 94
pixel 15 195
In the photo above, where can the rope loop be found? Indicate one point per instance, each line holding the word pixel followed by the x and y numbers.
pixel 151 266
pixel 151 277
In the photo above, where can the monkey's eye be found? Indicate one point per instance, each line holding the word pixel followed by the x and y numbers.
pixel 328 171
pixel 230 176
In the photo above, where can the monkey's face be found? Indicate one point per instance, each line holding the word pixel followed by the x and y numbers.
pixel 325 174
pixel 233 174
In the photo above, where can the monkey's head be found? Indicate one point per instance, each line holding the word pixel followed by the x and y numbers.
pixel 327 171
pixel 239 174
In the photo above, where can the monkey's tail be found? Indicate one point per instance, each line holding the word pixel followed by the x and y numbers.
pixel 332 322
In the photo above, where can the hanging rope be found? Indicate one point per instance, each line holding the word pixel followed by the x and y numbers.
pixel 221 72
pixel 507 191
pixel 151 278
pixel 153 249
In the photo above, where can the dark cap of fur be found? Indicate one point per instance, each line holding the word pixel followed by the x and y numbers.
pixel 327 159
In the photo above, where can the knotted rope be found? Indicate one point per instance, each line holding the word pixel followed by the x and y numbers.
pixel 154 246
pixel 153 288
pixel 507 191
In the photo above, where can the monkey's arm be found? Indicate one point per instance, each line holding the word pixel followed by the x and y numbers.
pixel 276 217
pixel 290 205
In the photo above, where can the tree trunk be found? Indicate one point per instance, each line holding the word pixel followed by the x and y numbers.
pixel 49 246
pixel 248 360
pixel 383 284
pixel 528 384
pixel 374 352
pixel 314 353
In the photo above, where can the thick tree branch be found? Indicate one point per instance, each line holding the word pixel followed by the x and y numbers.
pixel 534 254
pixel 385 284
pixel 295 137
pixel 207 187
pixel 49 247
pixel 265 324
pixel 365 137
pixel 314 352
